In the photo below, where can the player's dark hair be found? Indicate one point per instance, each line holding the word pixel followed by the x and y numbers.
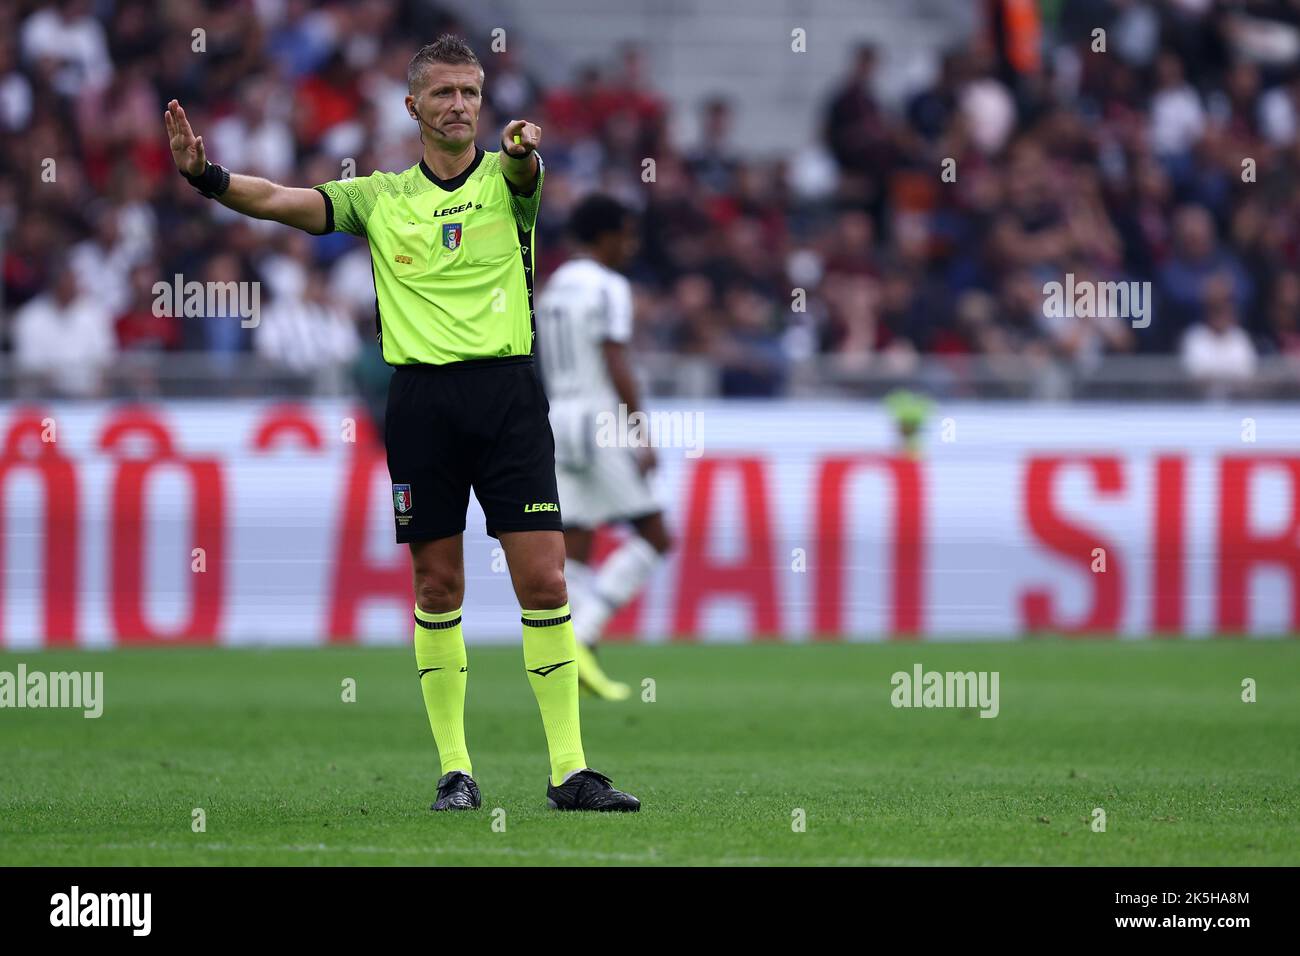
pixel 448 48
pixel 596 216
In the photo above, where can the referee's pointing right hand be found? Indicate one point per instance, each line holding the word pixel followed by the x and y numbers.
pixel 530 137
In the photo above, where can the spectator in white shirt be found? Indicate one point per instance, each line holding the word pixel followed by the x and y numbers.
pixel 15 92
pixel 352 283
pixel 63 339
pixel 309 332
pixel 255 140
pixel 1177 115
pixel 104 262
pixel 1217 352
pixel 67 34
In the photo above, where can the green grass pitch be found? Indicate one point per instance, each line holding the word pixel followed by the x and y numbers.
pixel 738 738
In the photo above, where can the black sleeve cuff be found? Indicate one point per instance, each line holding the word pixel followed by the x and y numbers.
pixel 536 180
pixel 329 213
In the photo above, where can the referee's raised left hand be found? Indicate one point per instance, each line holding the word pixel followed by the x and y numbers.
pixel 187 149
pixel 530 136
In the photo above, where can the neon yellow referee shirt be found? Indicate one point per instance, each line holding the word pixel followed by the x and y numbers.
pixel 452 259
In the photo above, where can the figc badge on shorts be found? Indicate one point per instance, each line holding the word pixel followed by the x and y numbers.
pixel 401 499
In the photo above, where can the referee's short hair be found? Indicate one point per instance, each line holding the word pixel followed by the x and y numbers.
pixel 448 48
pixel 596 216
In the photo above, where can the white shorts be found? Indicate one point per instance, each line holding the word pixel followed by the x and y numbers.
pixel 597 485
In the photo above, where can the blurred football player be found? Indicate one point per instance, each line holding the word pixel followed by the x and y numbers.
pixel 584 327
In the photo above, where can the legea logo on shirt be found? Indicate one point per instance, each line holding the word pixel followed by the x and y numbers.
pixel 453 210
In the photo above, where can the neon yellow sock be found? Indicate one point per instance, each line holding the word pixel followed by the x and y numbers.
pixel 440 659
pixel 550 658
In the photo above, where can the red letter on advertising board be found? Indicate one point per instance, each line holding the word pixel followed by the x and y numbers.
pixel 906 613
pixel 1241 549
pixel 357 579
pixel 752 576
pixel 1168 553
pixel 287 422
pixel 207 524
pixel 26 450
pixel 1074 544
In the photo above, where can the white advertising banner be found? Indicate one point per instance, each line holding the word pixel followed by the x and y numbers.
pixel 252 522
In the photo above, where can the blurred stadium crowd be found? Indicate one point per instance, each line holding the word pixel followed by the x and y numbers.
pixel 1118 165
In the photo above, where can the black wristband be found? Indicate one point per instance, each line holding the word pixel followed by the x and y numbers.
pixel 212 182
pixel 505 148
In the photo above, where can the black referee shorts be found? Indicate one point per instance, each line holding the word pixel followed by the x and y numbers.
pixel 481 425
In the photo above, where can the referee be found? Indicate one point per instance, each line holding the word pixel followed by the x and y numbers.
pixel 451 241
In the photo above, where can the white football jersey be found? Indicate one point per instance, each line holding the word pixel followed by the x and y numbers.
pixel 583 305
